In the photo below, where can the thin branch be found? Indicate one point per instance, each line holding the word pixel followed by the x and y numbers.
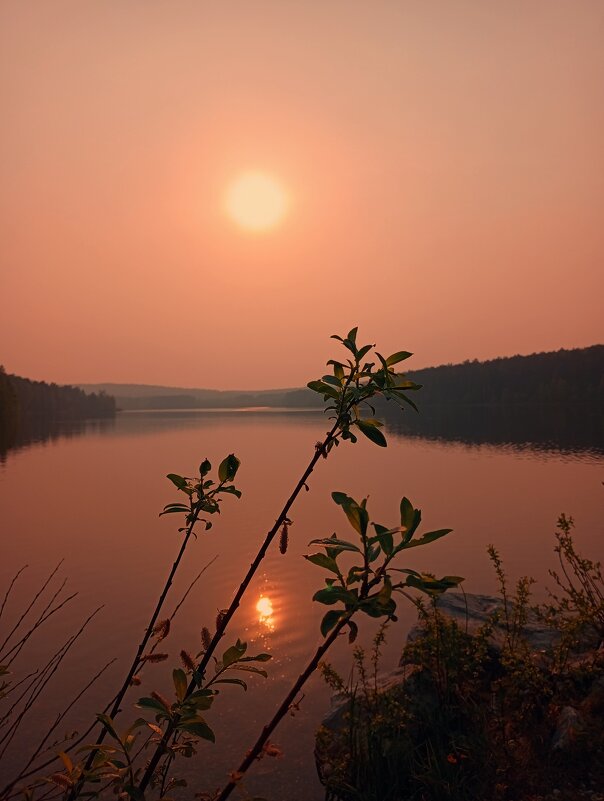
pixel 33 601
pixel 42 619
pixel 10 587
pixel 289 699
pixel 171 727
pixel 58 720
pixel 12 730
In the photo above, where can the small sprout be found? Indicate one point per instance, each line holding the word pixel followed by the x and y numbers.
pixel 135 681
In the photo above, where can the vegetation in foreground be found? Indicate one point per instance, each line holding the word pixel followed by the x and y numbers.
pixel 135 760
pixel 481 715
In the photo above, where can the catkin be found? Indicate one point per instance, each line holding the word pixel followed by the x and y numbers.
pixel 154 658
pixel 187 660
pixel 206 637
pixel 162 629
pixel 159 697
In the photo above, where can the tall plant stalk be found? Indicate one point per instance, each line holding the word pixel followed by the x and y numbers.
pixel 225 619
pixel 373 595
pixel 202 499
pixel 353 384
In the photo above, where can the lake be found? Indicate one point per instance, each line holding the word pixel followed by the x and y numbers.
pixel 91 493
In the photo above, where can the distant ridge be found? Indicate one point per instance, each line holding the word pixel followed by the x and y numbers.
pixel 563 376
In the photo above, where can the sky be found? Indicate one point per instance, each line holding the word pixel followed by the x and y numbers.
pixel 440 161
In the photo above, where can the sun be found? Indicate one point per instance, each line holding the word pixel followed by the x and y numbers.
pixel 256 201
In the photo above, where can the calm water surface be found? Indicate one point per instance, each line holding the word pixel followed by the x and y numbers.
pixel 93 499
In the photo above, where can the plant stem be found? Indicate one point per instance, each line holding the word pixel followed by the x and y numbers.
pixel 142 645
pixel 256 749
pixel 171 727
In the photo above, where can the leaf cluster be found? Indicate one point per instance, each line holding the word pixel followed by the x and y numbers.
pixel 203 493
pixel 367 585
pixel 184 712
pixel 354 382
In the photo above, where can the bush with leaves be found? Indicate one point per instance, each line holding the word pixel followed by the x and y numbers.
pixel 134 769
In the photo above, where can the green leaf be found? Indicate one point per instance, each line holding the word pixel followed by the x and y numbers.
pixel 108 724
pixel 231 490
pixel 397 357
pixel 330 620
pixel 239 682
pixel 356 514
pixel 375 606
pixel 198 727
pixel 234 653
pixel 324 389
pixel 322 560
pixel 177 480
pixel 180 683
pixel 332 380
pixel 384 537
pixel 407 513
pixel 432 586
pixel 429 537
pixel 402 396
pixel 335 543
pixel 372 432
pixel 354 574
pixel 339 497
pixel 257 658
pixel 153 705
pixel 204 468
pixel 405 383
pixel 251 669
pixel 333 594
pixel 352 334
pixel 200 700
pixel 338 370
pixel 363 351
pixel 227 469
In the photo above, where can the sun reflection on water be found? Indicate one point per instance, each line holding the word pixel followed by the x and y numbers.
pixel 264 607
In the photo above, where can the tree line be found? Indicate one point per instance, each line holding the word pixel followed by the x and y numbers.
pixel 22 400
pixel 563 376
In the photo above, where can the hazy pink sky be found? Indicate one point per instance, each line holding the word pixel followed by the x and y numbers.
pixel 444 160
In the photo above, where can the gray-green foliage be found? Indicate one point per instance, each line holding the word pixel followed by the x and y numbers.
pixel 368 584
pixel 354 382
pixel 203 493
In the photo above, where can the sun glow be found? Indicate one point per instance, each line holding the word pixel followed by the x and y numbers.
pixel 256 201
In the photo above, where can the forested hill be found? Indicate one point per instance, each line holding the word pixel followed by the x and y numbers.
pixel 23 400
pixel 147 396
pixel 563 376
pixel 560 377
